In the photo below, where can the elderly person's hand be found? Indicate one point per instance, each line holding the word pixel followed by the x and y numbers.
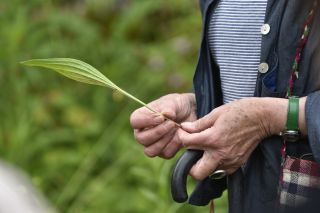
pixel 230 133
pixel 154 132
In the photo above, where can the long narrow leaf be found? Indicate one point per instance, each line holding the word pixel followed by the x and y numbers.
pixel 82 72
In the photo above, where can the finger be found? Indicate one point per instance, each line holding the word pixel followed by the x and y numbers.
pixel 204 167
pixel 169 114
pixel 171 148
pixel 202 123
pixel 147 137
pixel 156 148
pixel 143 118
pixel 236 160
pixel 196 140
pixel 231 165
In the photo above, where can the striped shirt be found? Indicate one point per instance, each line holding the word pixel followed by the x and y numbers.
pixel 235 45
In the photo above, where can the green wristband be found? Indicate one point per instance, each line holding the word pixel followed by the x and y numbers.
pixel 292 133
pixel 293 113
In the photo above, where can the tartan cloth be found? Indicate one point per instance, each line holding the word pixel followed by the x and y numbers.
pixel 300 183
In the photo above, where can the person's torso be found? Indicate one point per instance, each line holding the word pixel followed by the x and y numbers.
pixel 278 48
pixel 234 35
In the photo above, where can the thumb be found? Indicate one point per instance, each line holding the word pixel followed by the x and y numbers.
pixel 169 113
pixel 204 167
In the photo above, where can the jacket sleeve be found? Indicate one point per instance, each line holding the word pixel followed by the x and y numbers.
pixel 312 111
pixel 202 4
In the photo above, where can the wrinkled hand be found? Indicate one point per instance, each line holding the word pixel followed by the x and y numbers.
pixel 154 132
pixel 230 133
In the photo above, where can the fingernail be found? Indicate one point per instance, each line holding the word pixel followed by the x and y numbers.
pixel 159 119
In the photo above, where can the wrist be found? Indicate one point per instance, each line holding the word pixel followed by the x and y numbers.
pixel 275 114
pixel 291 133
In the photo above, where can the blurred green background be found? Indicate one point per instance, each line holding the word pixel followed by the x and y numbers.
pixel 74 140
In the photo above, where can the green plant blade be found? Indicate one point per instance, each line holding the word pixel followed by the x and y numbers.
pixel 74 69
pixel 82 72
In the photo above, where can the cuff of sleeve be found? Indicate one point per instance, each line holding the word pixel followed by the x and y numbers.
pixel 312 113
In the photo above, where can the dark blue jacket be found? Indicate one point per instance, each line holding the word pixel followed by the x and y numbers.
pixel 254 187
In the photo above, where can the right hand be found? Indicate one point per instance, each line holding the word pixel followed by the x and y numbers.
pixel 157 134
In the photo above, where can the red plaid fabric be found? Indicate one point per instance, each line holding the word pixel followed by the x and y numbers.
pixel 300 182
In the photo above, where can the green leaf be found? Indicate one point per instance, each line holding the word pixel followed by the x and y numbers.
pixel 82 72
pixel 74 69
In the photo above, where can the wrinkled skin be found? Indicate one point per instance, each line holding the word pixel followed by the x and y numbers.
pixel 158 135
pixel 227 135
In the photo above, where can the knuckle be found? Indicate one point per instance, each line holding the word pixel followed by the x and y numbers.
pixel 141 138
pixel 160 131
pixel 149 153
pixel 133 118
pixel 166 155
pixel 196 175
pixel 175 141
pixel 169 153
pixel 170 114
pixel 180 139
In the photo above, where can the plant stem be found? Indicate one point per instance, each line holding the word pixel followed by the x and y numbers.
pixel 145 105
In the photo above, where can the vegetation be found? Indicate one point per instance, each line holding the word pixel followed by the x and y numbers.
pixel 74 140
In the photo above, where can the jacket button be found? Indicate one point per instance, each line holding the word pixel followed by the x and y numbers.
pixel 265 29
pixel 263 67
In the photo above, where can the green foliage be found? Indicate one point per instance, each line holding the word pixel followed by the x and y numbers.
pixel 75 141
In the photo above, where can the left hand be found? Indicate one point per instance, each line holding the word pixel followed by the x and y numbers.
pixel 230 133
